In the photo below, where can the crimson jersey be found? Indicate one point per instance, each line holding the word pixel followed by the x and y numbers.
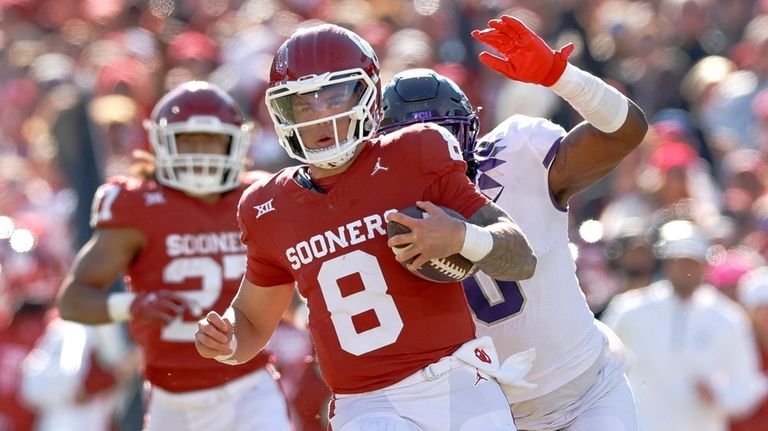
pixel 16 341
pixel 192 248
pixel 373 322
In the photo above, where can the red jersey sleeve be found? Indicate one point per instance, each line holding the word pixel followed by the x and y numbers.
pixel 261 269
pixel 116 203
pixel 441 159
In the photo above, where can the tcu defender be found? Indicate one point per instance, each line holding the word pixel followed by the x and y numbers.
pixel 398 352
pixel 176 238
pixel 531 167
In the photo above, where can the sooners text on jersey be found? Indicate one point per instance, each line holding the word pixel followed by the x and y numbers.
pixel 373 322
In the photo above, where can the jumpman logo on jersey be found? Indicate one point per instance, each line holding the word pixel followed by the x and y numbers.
pixel 264 208
pixel 479 377
pixel 379 167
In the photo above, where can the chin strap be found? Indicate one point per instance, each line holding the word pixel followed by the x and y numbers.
pixel 303 179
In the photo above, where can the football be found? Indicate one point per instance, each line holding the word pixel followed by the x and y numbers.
pixel 449 269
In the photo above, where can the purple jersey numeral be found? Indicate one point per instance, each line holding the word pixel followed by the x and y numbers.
pixel 492 313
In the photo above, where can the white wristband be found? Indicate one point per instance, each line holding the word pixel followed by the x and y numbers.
pixel 478 242
pixel 227 359
pixel 119 306
pixel 600 104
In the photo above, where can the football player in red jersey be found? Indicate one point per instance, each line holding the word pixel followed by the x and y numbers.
pixel 531 168
pixel 28 283
pixel 398 352
pixel 175 236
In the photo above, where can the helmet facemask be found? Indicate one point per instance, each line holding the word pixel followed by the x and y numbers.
pixel 465 129
pixel 346 99
pixel 198 173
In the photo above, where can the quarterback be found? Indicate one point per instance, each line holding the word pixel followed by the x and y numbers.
pixel 397 351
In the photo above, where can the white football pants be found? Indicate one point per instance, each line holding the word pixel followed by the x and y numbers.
pixel 252 402
pixel 448 395
pixel 598 399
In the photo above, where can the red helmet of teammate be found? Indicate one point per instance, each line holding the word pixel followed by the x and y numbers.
pixel 198 107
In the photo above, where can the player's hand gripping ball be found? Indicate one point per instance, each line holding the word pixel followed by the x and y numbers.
pixel 449 269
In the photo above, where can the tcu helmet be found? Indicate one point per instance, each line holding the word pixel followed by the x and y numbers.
pixel 198 107
pixel 421 95
pixel 323 78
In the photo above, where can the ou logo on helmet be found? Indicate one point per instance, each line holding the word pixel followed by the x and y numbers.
pixel 366 48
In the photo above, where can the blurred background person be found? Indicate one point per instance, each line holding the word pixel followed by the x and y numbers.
pixel 753 295
pixel 691 355
pixel 75 376
pixel 629 253
pixel 24 302
pixel 32 265
pixel 300 380
pixel 727 266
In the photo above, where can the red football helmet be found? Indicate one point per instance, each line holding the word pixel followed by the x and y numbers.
pixel 198 107
pixel 324 77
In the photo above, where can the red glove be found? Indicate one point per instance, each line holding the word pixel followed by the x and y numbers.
pixel 158 308
pixel 528 57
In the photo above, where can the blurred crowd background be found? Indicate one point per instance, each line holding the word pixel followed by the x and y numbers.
pixel 78 77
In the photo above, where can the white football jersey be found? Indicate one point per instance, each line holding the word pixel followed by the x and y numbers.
pixel 548 311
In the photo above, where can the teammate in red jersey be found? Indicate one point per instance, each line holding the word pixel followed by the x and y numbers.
pixel 176 238
pixel 25 296
pixel 397 351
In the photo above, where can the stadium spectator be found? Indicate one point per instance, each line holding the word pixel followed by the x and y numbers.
pixel 74 375
pixel 22 322
pixel 691 356
pixel 31 270
pixel 753 295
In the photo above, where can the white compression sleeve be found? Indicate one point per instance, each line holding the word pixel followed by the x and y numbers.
pixel 600 104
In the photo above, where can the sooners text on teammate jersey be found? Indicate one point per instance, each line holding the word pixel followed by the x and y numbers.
pixel 202 261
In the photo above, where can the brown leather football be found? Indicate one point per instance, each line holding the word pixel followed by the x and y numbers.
pixel 450 269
